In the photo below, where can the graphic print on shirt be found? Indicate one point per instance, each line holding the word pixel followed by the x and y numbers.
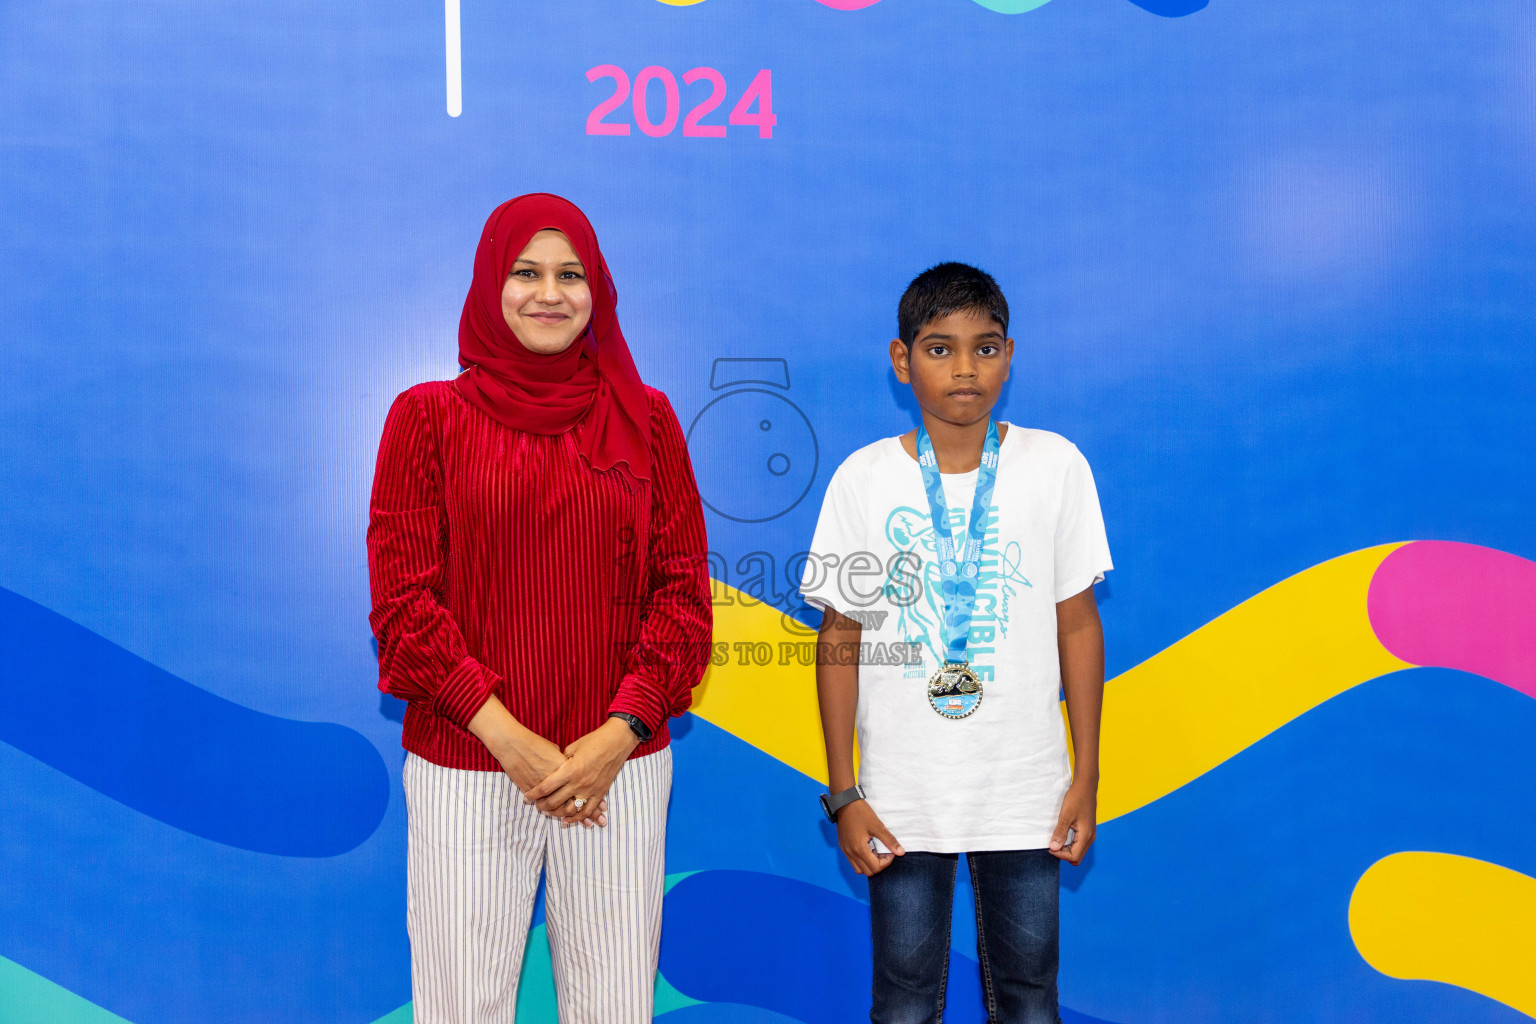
pixel 910 531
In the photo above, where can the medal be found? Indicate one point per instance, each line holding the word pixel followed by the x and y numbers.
pixel 955 690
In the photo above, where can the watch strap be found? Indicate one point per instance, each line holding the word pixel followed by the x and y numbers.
pixel 831 803
pixel 636 726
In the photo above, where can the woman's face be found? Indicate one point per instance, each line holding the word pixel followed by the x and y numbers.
pixel 545 299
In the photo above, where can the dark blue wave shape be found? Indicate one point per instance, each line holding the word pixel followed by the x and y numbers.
pixel 134 732
pixel 1171 8
pixel 795 949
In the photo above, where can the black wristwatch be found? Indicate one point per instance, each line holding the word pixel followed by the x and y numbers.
pixel 831 803
pixel 635 725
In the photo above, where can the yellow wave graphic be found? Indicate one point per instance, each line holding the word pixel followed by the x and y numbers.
pixel 1457 920
pixel 773 706
pixel 1167 721
pixel 1237 679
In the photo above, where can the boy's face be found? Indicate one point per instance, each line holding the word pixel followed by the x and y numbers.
pixel 956 366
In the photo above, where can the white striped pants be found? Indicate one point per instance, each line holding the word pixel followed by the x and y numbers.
pixel 474 852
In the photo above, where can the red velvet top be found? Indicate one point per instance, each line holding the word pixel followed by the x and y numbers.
pixel 499 563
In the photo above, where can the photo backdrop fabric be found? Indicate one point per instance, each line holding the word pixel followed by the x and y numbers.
pixel 1271 269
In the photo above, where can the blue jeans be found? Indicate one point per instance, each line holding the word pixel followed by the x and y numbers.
pixel 1017 901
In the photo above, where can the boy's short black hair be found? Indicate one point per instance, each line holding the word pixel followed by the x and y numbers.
pixel 945 289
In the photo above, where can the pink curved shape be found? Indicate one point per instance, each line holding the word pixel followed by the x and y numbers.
pixel 847 5
pixel 1460 606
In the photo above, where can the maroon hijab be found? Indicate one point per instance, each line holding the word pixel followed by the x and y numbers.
pixel 592 387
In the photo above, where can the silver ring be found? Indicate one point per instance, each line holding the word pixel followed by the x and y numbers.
pixel 580 802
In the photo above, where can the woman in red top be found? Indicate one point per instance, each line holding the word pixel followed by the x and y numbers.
pixel 541 600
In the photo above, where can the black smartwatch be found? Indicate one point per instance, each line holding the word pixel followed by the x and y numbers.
pixel 831 803
pixel 636 726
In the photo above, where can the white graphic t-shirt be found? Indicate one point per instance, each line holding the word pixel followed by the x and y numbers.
pixel 993 780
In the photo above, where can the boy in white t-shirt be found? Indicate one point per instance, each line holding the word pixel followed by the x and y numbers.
pixel 948 644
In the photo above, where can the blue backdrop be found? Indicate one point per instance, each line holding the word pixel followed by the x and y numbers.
pixel 1271 268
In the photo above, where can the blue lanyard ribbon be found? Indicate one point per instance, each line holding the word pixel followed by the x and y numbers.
pixel 958 574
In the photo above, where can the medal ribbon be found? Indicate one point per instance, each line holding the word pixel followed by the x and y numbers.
pixel 958 575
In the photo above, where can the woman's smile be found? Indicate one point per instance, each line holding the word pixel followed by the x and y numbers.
pixel 545 297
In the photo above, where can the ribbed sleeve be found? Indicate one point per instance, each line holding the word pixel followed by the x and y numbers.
pixel 500 563
pixel 663 667
pixel 422 656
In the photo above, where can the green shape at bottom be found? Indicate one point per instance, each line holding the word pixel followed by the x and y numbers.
pixel 536 1000
pixel 1011 6
pixel 536 987
pixel 401 1015
pixel 30 998
pixel 669 998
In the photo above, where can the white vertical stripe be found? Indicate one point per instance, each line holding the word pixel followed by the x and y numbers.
pixel 475 850
pixel 455 60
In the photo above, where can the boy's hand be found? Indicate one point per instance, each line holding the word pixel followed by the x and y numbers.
pixel 856 824
pixel 1080 812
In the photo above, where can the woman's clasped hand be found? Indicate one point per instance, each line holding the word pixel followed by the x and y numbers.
pixel 570 784
pixel 576 791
